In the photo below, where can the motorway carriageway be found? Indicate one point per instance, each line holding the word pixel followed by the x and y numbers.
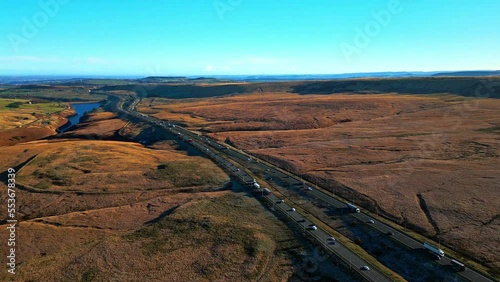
pixel 319 235
pixel 402 238
pixel 341 251
pixel 406 240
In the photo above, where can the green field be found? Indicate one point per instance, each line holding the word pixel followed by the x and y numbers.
pixel 15 113
pixel 53 93
pixel 25 107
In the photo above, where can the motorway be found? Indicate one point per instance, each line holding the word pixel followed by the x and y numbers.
pixel 323 236
pixel 212 149
pixel 333 202
pixel 216 151
pixel 402 238
pixel 319 235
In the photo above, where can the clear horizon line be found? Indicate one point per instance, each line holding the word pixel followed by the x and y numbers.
pixel 212 75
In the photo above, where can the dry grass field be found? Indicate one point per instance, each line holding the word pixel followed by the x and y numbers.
pixel 116 166
pixel 97 125
pixel 428 161
pixel 182 237
pixel 463 86
pixel 149 215
pixel 22 121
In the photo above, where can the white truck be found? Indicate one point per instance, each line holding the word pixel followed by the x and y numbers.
pixel 458 265
pixel 434 250
pixel 352 208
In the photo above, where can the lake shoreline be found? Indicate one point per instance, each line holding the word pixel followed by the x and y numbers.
pixel 80 110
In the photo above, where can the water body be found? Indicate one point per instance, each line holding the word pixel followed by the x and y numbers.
pixel 80 110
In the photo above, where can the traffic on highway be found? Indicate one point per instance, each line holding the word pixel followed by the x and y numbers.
pixel 240 164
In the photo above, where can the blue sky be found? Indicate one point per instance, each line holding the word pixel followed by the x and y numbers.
pixel 203 37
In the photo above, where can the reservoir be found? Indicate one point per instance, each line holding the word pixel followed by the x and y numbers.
pixel 80 110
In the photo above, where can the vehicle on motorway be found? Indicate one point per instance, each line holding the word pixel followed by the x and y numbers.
pixel 312 227
pixel 371 221
pixel 458 265
pixel 330 239
pixel 352 208
pixel 256 185
pixel 434 250
pixel 266 191
pixel 365 267
pixel 292 209
pixel 309 189
pixel 280 201
pixel 390 233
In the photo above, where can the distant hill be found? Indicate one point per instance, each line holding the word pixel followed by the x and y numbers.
pixel 463 86
pixel 100 80
pixel 181 79
pixel 469 73
pixel 301 77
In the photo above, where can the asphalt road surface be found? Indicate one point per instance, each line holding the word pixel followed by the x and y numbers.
pixel 323 236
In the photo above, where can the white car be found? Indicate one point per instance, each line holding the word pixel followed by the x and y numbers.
pixel 309 189
pixel 312 227
pixel 371 221
pixel 365 267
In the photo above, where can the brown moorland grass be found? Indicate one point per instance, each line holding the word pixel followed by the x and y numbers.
pixel 116 166
pixel 463 86
pixel 99 125
pixel 29 122
pixel 46 204
pixel 218 236
pixel 157 234
pixel 430 161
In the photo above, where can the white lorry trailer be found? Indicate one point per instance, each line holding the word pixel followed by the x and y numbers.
pixel 352 208
pixel 434 250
